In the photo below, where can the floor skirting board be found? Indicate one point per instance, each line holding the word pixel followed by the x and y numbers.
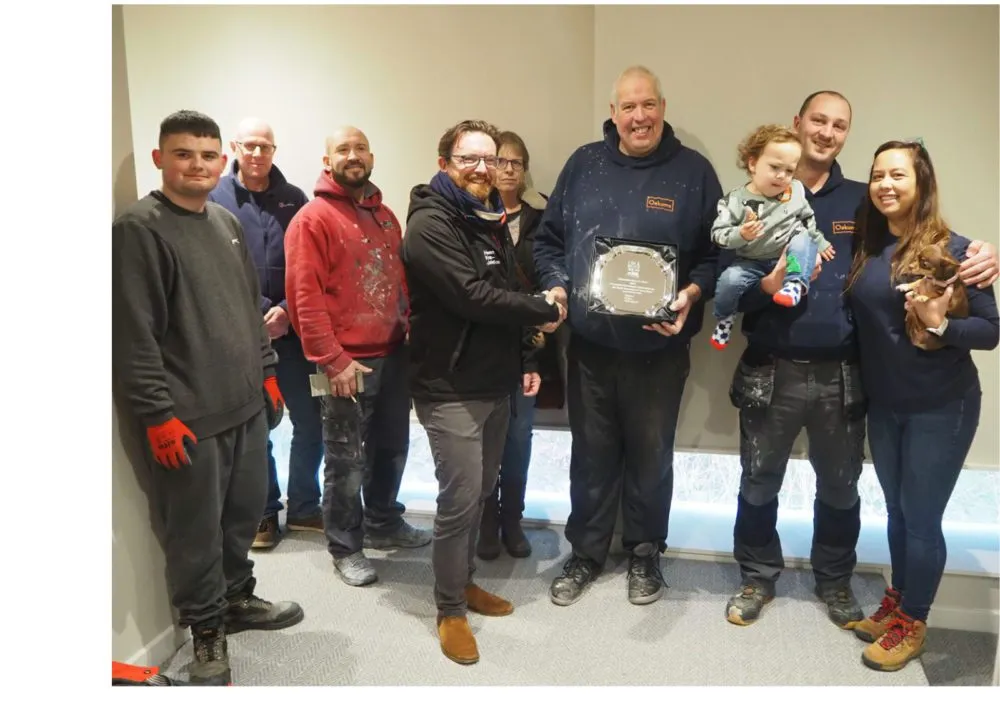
pixel 160 648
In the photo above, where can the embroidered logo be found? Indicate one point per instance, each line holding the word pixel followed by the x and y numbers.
pixel 282 204
pixel 659 203
pixel 492 260
pixel 386 224
pixel 840 227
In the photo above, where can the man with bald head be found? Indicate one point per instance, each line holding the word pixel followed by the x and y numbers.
pixel 258 194
pixel 625 376
pixel 348 302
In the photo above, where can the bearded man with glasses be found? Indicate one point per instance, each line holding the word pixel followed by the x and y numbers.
pixel 470 337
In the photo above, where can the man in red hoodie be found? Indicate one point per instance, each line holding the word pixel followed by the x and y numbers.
pixel 348 302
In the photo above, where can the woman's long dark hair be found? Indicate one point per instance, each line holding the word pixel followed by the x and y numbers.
pixel 923 226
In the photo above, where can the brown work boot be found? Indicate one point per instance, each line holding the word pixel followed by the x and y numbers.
pixel 875 625
pixel 267 533
pixel 902 641
pixel 488 543
pixel 457 641
pixel 485 603
pixel 312 523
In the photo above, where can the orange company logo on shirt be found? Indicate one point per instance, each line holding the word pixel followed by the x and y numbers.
pixel 840 227
pixel 659 203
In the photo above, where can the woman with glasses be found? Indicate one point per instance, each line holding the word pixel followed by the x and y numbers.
pixel 924 402
pixel 504 509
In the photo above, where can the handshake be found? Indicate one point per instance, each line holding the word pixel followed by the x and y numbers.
pixel 557 296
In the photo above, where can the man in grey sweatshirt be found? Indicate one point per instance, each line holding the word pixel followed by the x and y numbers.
pixel 194 361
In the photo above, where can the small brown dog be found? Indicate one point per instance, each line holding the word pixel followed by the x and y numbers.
pixel 935 269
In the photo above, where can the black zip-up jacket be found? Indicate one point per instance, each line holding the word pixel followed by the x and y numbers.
pixel 467 313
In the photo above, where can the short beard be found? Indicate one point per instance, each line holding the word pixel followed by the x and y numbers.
pixel 480 191
pixel 351 183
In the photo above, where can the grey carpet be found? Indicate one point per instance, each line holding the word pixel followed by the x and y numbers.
pixel 385 634
pixel 959 657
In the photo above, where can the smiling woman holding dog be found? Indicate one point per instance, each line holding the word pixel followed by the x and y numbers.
pixel 924 392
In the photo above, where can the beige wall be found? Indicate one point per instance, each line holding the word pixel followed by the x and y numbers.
pixel 140 606
pixel 392 71
pixel 907 70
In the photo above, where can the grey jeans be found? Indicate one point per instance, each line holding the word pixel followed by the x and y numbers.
pixel 467 441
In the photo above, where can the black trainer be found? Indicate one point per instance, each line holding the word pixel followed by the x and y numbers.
pixel 645 580
pixel 248 612
pixel 841 605
pixel 211 655
pixel 578 573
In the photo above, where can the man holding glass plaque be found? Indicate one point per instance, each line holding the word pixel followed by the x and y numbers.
pixel 627 234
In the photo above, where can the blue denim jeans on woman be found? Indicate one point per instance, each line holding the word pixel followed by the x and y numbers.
pixel 917 457
pixel 513 479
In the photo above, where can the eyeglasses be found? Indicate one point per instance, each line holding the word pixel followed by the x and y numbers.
pixel 516 164
pixel 469 161
pixel 265 150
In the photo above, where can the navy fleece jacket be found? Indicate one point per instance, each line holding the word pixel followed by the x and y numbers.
pixel 896 373
pixel 821 327
pixel 264 216
pixel 669 196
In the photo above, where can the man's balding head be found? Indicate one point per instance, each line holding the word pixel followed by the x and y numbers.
pixel 343 135
pixel 349 158
pixel 253 148
pixel 254 127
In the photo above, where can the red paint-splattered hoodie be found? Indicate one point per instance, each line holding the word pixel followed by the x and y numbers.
pixel 344 282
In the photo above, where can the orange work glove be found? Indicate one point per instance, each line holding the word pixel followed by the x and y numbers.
pixel 275 402
pixel 168 442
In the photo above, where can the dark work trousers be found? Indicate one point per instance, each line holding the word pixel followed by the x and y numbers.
pixel 783 397
pixel 366 442
pixel 623 410
pixel 306 452
pixel 467 441
pixel 210 511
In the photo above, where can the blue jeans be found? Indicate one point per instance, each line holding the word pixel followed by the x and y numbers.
pixel 917 457
pixel 743 274
pixel 516 458
pixel 306 451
